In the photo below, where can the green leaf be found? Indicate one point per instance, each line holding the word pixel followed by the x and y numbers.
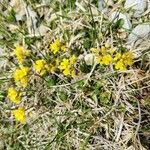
pixel 50 82
pixel 2 95
pixel 63 96
pixel 87 44
pixel 119 23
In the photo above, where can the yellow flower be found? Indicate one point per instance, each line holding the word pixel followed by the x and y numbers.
pixel 20 53
pixel 106 59
pixel 120 65
pixel 66 66
pixel 41 66
pixel 123 61
pixel 19 115
pixel 117 56
pixel 57 46
pixel 128 58
pixel 14 95
pixel 20 76
pixel 67 71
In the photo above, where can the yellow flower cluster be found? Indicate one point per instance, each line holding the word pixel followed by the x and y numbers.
pixel 21 76
pixel 20 115
pixel 66 66
pixel 41 66
pixel 14 95
pixel 124 60
pixel 57 46
pixel 105 56
pixel 20 53
pixel 102 55
pixel 105 60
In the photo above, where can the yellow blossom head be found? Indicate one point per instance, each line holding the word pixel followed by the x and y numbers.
pixel 66 66
pixel 106 59
pixel 14 95
pixel 19 115
pixel 120 65
pixel 57 46
pixel 117 56
pixel 41 66
pixel 128 58
pixel 20 53
pixel 67 71
pixel 21 76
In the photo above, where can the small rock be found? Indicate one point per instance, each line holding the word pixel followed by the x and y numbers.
pixel 140 31
pixel 102 6
pixel 137 5
pixel 89 59
pixel 117 15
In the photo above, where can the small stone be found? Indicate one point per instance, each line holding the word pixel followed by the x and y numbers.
pixel 138 6
pixel 89 59
pixel 102 6
pixel 140 31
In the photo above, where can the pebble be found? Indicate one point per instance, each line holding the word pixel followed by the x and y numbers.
pixel 138 6
pixel 140 31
